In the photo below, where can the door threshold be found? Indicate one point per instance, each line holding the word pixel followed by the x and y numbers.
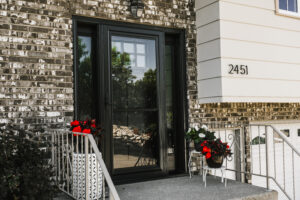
pixel 143 177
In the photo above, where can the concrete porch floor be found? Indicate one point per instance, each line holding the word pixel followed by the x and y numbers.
pixel 184 188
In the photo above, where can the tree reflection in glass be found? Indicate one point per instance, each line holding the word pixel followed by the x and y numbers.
pixel 135 113
pixel 85 95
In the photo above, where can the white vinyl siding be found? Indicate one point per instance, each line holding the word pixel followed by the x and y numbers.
pixel 247 33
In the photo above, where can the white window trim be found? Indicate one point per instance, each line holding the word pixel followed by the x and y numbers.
pixel 288 13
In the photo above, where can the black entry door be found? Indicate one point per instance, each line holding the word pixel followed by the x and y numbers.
pixel 135 102
pixel 131 79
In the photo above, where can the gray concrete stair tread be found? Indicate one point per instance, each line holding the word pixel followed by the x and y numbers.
pixel 184 188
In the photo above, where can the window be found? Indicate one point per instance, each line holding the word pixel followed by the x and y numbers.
pixel 137 50
pixel 85 106
pixel 298 132
pixel 85 74
pixel 289 7
pixel 258 140
pixel 286 132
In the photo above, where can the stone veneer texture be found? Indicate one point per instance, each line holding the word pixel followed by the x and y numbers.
pixel 36 60
pixel 242 112
pixel 36 66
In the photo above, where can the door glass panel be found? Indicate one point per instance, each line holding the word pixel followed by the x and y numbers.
pixel 140 48
pixel 85 94
pixel 169 67
pixel 134 101
pixel 283 4
pixel 292 5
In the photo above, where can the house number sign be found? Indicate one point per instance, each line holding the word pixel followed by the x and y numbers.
pixel 238 69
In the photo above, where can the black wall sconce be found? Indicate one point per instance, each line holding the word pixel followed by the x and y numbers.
pixel 137 8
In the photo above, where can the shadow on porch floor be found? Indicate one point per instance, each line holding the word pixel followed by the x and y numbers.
pixel 184 188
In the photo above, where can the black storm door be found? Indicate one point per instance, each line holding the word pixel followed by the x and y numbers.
pixel 131 79
pixel 135 100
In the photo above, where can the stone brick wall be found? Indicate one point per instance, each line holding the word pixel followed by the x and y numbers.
pixel 242 112
pixel 36 66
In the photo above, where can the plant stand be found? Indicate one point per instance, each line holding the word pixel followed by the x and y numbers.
pixel 190 161
pixel 222 169
pixel 95 179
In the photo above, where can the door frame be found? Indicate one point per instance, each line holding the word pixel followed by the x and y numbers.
pixel 104 98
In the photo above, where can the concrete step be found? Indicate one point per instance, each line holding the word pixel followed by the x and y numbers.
pixel 271 195
pixel 184 188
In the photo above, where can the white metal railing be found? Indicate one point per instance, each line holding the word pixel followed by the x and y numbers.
pixel 263 156
pixel 79 168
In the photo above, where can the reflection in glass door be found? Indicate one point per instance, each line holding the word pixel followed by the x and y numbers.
pixel 86 108
pixel 135 108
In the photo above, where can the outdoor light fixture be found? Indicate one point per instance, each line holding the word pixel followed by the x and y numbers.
pixel 137 7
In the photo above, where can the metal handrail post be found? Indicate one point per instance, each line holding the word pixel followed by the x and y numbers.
pixel 242 149
pixel 111 196
pixel 86 168
pixel 267 157
pixel 104 169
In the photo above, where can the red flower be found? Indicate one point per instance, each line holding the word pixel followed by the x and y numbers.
pixel 227 146
pixel 75 123
pixel 208 155
pixel 206 149
pixel 86 131
pixel 77 129
pixel 93 125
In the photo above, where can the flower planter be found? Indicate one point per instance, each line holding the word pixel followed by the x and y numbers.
pixel 94 176
pixel 215 162
pixel 197 146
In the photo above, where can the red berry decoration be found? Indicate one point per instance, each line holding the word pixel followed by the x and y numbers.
pixel 86 131
pixel 205 149
pixel 208 155
pixel 75 123
pixel 77 129
pixel 87 127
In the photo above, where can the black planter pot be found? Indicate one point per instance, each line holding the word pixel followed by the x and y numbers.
pixel 197 146
pixel 215 162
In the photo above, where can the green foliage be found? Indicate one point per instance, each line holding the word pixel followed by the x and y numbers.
pixel 85 84
pixel 129 92
pixel 24 169
pixel 122 72
pixel 258 140
pixel 146 89
pixel 81 49
pixel 215 148
pixel 206 142
pixel 192 135
pixel 198 135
